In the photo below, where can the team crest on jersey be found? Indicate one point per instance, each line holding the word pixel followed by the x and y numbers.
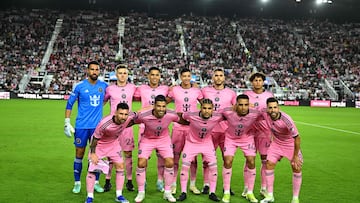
pixel 158 128
pixel 186 99
pixel 94 100
pixel 217 99
pixel 123 96
pixel 256 104
pixel 100 89
pixel 240 126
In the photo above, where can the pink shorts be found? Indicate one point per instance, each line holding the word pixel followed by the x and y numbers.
pixel 206 149
pixel 262 144
pixel 163 146
pixel 276 152
pixel 218 139
pixel 141 131
pixel 126 139
pixel 246 144
pixel 112 151
pixel 178 139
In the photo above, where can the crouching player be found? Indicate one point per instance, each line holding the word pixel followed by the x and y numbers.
pixel 105 144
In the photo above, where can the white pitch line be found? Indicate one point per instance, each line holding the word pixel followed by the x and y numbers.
pixel 329 128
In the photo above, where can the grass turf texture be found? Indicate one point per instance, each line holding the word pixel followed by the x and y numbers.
pixel 37 158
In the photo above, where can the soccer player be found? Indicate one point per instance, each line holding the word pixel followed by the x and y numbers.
pixel 147 94
pixel 285 143
pixel 123 92
pixel 89 94
pixel 222 97
pixel 105 145
pixel 261 134
pixel 240 120
pixel 199 141
pixel 185 97
pixel 156 136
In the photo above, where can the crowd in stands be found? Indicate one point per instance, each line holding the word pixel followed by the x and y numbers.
pixel 298 54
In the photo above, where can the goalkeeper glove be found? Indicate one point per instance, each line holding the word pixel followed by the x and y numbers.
pixel 68 129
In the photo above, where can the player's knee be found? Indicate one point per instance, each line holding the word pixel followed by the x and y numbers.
pixel 128 154
pixel 169 162
pixel 142 163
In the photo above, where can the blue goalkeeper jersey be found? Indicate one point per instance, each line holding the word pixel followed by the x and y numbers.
pixel 90 103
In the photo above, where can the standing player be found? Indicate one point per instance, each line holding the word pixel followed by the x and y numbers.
pixel 147 94
pixel 261 134
pixel 222 97
pixel 186 98
pixel 104 144
pixel 156 136
pixel 123 92
pixel 285 143
pixel 199 141
pixel 240 120
pixel 89 94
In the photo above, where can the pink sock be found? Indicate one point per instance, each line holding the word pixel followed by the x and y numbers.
pixel 168 177
pixel 140 179
pixel 270 180
pixel 160 167
pixel 206 173
pixel 251 178
pixel 297 179
pixel 193 170
pixel 213 177
pixel 245 175
pixel 90 182
pixel 184 176
pixel 176 166
pixel 108 176
pixel 119 179
pixel 263 176
pixel 226 173
pixel 128 165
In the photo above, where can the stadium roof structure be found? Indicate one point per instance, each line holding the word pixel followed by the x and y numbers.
pixel 288 9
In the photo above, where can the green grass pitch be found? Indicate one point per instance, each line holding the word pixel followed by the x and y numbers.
pixel 37 158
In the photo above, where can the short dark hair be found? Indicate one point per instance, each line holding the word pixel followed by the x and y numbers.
pixel 206 101
pixel 242 96
pixel 122 105
pixel 184 70
pixel 219 69
pixel 160 97
pixel 257 75
pixel 154 68
pixel 272 99
pixel 93 63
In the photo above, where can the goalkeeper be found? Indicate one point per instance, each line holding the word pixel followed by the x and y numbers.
pixel 89 93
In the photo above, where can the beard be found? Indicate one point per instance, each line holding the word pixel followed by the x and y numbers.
pixel 93 77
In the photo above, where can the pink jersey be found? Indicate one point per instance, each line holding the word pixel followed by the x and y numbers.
pixel 221 99
pixel 156 128
pixel 117 94
pixel 148 94
pixel 283 129
pixel 186 100
pixel 239 126
pixel 258 100
pixel 107 131
pixel 200 129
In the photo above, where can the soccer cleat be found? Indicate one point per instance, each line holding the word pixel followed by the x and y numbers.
pixel 213 197
pixel 129 186
pixel 268 198
pixel 194 190
pixel 169 197
pixel 77 188
pixel 243 194
pixel 263 191
pixel 205 190
pixel 173 189
pixel 160 186
pixel 98 188
pixel 295 200
pixel 251 197
pixel 107 187
pixel 140 197
pixel 89 200
pixel 182 197
pixel 226 198
pixel 121 199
